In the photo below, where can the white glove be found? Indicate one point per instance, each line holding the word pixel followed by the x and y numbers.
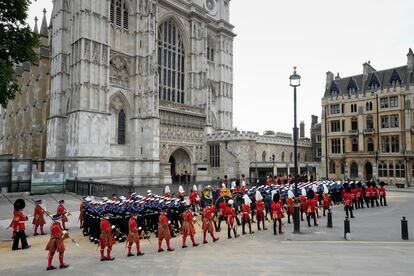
pixel 169 222
pixel 113 227
pixel 64 232
pixel 139 228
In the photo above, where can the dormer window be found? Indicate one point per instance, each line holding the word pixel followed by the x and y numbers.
pixel 395 79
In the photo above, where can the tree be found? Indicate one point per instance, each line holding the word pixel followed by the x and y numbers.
pixel 17 44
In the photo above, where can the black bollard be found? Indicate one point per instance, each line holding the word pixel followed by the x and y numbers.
pixel 296 219
pixel 404 229
pixel 329 218
pixel 347 226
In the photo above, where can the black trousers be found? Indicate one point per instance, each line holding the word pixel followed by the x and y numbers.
pixel 313 215
pixel 221 218
pixel 20 235
pixel 243 226
pixel 274 226
pixel 367 201
pixel 383 198
pixel 374 199
pixel 360 203
pixel 349 209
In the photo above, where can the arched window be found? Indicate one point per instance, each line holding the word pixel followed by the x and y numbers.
pixel 354 170
pixel 210 49
pixel 332 167
pixel 171 61
pixel 112 12
pixel 126 18
pixel 291 157
pixel 298 156
pixel 121 127
pixel 283 156
pixel 264 156
pixel 399 169
pixel 382 169
pixel 119 14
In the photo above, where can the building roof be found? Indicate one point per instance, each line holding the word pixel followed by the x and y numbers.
pixel 356 84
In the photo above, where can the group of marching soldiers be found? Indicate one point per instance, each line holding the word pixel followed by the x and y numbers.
pixel 132 218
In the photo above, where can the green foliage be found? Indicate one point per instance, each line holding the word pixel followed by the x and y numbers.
pixel 17 44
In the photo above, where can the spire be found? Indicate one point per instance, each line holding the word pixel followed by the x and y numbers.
pixel 410 60
pixel 35 29
pixel 410 52
pixel 43 28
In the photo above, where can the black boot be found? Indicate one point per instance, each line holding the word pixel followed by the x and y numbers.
pixel 243 230
pixel 228 233
pixel 235 233
pixel 264 227
pixel 258 225
pixel 250 228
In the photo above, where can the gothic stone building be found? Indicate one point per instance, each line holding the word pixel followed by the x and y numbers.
pixel 133 91
pixel 368 125
pixel 136 85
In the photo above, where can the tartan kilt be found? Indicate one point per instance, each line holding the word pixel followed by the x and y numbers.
pixel 133 237
pixel 164 232
pixel 106 239
pixel 188 229
pixel 54 245
pixel 39 220
pixel 208 225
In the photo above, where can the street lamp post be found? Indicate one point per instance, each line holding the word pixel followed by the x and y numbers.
pixel 295 82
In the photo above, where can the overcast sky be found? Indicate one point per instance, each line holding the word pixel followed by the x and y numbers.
pixel 316 36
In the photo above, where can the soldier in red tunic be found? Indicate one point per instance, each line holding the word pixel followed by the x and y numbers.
pixel 246 214
pixel 359 196
pixel 326 200
pixel 18 224
pixel 368 194
pixel 57 236
pixel 193 198
pixel 188 228
pixel 164 231
pixel 276 210
pixel 375 194
pixel 382 194
pixel 207 218
pixel 311 206
pixel 105 239
pixel 61 210
pixel 348 202
pixel 354 195
pixel 302 199
pixel 38 219
pixel 290 202
pixel 230 217
pixel 260 210
pixel 133 235
pixel 221 213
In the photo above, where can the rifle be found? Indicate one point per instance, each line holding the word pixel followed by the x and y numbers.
pixel 73 240
pixel 66 210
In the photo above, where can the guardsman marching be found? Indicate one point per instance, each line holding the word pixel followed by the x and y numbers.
pixel 311 206
pixel 164 231
pixel 276 209
pixel 375 194
pixel 230 217
pixel 38 219
pixel 187 228
pixel 326 199
pixel 61 210
pixel 246 213
pixel 207 217
pixel 360 195
pixel 290 202
pixel 260 210
pixel 222 213
pixel 348 202
pixel 382 194
pixel 105 239
pixel 56 243
pixel 18 224
pixel 302 199
pixel 133 235
pixel 368 194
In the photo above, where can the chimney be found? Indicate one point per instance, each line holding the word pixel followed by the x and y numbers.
pixel 329 79
pixel 410 60
pixel 314 120
pixel 302 130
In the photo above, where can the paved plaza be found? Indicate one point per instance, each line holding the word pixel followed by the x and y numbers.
pixel 376 248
